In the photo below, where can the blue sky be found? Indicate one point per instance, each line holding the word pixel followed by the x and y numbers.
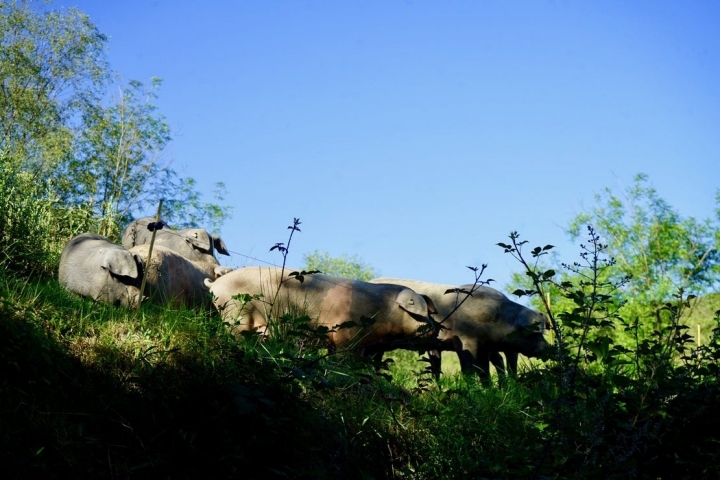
pixel 418 134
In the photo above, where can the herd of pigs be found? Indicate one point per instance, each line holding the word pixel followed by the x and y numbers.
pixel 371 317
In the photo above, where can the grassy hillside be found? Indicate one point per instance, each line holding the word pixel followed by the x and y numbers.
pixel 97 392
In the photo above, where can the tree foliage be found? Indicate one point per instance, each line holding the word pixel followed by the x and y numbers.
pixel 656 249
pixel 344 266
pixel 119 165
pixel 52 65
pixel 186 207
pixel 619 409
pixel 653 252
pixel 78 147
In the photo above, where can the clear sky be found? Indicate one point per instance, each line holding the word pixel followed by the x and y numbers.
pixel 418 134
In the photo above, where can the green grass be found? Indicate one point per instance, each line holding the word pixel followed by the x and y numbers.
pixel 103 392
pixel 91 391
pixel 99 391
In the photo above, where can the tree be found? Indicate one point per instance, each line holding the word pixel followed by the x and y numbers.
pixel 62 148
pixel 52 65
pixel 186 208
pixel 118 167
pixel 343 266
pixel 654 251
pixel 651 243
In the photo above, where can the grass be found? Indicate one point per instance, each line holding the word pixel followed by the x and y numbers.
pixel 90 391
pixel 97 391
pixel 106 392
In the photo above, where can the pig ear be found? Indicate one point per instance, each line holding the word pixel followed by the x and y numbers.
pixel 139 265
pixel 430 305
pixel 122 264
pixel 412 302
pixel 199 238
pixel 219 245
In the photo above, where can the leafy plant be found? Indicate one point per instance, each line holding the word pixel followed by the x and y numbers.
pixel 656 251
pixel 605 404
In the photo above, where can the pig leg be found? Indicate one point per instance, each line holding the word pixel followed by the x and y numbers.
pixel 512 359
pixel 463 348
pixel 482 363
pixel 497 361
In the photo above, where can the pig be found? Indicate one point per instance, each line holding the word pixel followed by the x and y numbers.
pixel 402 317
pixel 93 266
pixel 195 244
pixel 174 280
pixel 484 324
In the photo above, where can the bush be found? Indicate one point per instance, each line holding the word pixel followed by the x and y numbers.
pixel 34 225
pixel 608 409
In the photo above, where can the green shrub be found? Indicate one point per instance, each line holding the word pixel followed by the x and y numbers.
pixel 608 409
pixel 34 225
